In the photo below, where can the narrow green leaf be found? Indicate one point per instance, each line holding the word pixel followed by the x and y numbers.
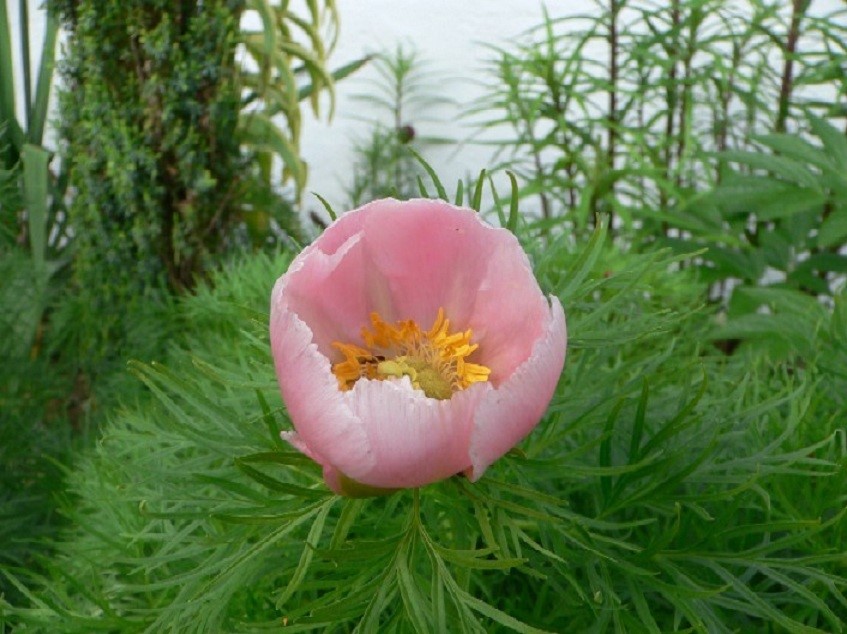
pixel 786 168
pixel 362 550
pixel 370 622
pixel 349 513
pixel 305 92
pixel 413 600
pixel 497 206
pixel 269 420
pixel 673 426
pixel 638 424
pixel 605 457
pixel 422 188
pixel 330 608
pixel 460 193
pixel 477 559
pixel 279 486
pixel 38 114
pixel 586 261
pixel 238 488
pixel 254 517
pixel 833 230
pixel 327 206
pixel 496 615
pixel 258 131
pixel 642 607
pixel 436 597
pixel 768 198
pixel 512 222
pixel 484 522
pixel 244 556
pixel 36 179
pixel 833 140
pixel 7 86
pixel 797 148
pixel 289 458
pixel 439 187
pixel 306 556
pixel 477 191
pixel 268 30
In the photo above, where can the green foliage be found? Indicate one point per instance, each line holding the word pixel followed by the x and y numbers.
pixel 149 114
pixel 668 487
pixel 34 115
pixel 693 125
pixel 37 396
pixel 784 210
pixel 33 231
pixel 171 145
pixel 286 55
pixel 273 50
pixel 165 180
pixel 622 111
pixel 34 437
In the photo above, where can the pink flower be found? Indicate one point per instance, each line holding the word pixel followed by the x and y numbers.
pixel 411 343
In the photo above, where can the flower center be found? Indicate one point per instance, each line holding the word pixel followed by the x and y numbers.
pixel 434 359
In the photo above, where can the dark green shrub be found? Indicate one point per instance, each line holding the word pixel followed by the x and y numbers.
pixel 149 115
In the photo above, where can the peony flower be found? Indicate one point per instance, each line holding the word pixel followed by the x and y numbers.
pixel 411 343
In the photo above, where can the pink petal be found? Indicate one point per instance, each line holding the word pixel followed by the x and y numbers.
pixel 333 293
pixel 431 254
pixel 327 430
pixel 415 440
pixel 509 310
pixel 506 415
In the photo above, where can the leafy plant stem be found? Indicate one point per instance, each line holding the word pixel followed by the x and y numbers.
pixel 798 11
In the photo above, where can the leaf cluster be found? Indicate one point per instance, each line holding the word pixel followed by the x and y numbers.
pixel 669 487
pixel 693 124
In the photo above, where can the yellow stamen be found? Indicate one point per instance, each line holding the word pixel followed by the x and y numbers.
pixel 434 360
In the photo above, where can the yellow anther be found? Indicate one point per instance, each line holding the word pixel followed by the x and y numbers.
pixel 434 360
